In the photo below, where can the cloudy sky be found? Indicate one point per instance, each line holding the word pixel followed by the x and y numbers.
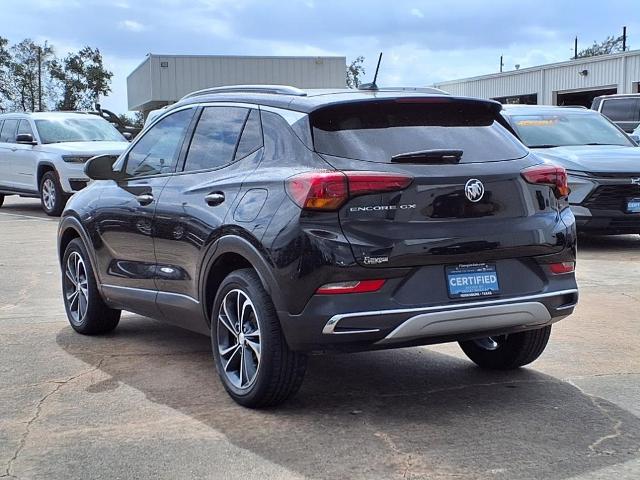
pixel 423 41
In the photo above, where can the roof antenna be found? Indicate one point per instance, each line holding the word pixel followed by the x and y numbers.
pixel 372 85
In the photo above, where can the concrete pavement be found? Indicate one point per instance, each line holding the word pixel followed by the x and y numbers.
pixel 145 401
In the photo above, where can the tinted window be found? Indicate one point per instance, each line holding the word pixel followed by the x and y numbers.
pixel 215 138
pixel 80 128
pixel 377 131
pixel 251 139
pixel 24 128
pixel 158 150
pixel 567 129
pixel 621 110
pixel 8 132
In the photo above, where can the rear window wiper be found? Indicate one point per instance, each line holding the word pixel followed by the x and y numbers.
pixel 436 156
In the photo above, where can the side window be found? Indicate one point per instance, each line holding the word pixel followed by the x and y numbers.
pixel 251 139
pixel 8 132
pixel 158 150
pixel 24 128
pixel 215 138
pixel 621 110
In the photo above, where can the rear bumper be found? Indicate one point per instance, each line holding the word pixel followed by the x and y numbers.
pixel 446 320
pixel 373 329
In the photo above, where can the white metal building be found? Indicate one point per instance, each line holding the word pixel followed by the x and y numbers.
pixel 575 82
pixel 163 79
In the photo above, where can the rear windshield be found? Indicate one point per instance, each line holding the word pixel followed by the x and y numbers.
pixel 564 129
pixel 377 131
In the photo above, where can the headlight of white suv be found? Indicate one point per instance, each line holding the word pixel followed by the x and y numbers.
pixel 76 158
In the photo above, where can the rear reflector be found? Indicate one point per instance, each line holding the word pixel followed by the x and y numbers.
pixel 355 286
pixel 330 190
pixel 548 174
pixel 562 267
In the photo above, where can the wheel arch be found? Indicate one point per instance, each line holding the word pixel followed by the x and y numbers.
pixel 69 229
pixel 232 253
pixel 44 167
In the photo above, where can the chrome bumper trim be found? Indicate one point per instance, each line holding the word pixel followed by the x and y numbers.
pixel 329 328
pixel 476 319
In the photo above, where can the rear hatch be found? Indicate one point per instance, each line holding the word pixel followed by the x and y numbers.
pixel 468 201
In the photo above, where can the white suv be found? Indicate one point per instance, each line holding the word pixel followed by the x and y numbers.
pixel 43 154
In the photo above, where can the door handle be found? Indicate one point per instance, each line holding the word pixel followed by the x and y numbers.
pixel 215 198
pixel 144 198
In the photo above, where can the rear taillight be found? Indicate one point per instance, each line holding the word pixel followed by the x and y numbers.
pixel 330 190
pixel 562 267
pixel 355 286
pixel 551 175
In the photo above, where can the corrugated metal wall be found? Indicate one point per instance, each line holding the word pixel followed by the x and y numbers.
pixel 166 79
pixel 138 84
pixel 621 71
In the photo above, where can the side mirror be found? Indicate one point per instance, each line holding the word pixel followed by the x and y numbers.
pixel 127 135
pixel 25 139
pixel 101 168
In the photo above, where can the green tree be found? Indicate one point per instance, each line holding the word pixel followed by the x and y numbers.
pixel 137 120
pixel 5 64
pixel 355 71
pixel 82 77
pixel 605 47
pixel 26 74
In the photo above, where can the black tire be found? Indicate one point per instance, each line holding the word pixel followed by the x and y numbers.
pixel 52 197
pixel 1 199
pixel 507 352
pixel 280 371
pixel 98 317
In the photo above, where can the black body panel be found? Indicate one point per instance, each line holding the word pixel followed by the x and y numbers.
pixel 165 258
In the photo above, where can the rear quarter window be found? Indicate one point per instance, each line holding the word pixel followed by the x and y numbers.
pixel 376 131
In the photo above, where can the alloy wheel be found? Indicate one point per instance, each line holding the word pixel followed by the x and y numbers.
pixel 76 287
pixel 238 339
pixel 49 194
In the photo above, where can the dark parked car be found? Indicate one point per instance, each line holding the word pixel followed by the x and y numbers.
pixel 602 163
pixel 280 222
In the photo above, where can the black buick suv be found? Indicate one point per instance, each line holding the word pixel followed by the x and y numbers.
pixel 281 222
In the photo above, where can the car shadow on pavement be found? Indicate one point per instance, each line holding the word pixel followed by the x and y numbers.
pixel 410 413
pixel 26 207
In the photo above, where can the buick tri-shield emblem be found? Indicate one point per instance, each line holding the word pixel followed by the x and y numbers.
pixel 474 190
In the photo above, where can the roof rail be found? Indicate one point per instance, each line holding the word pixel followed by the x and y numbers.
pixel 413 89
pixel 272 89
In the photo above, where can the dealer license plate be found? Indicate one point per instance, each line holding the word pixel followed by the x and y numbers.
pixel 472 280
pixel 633 206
